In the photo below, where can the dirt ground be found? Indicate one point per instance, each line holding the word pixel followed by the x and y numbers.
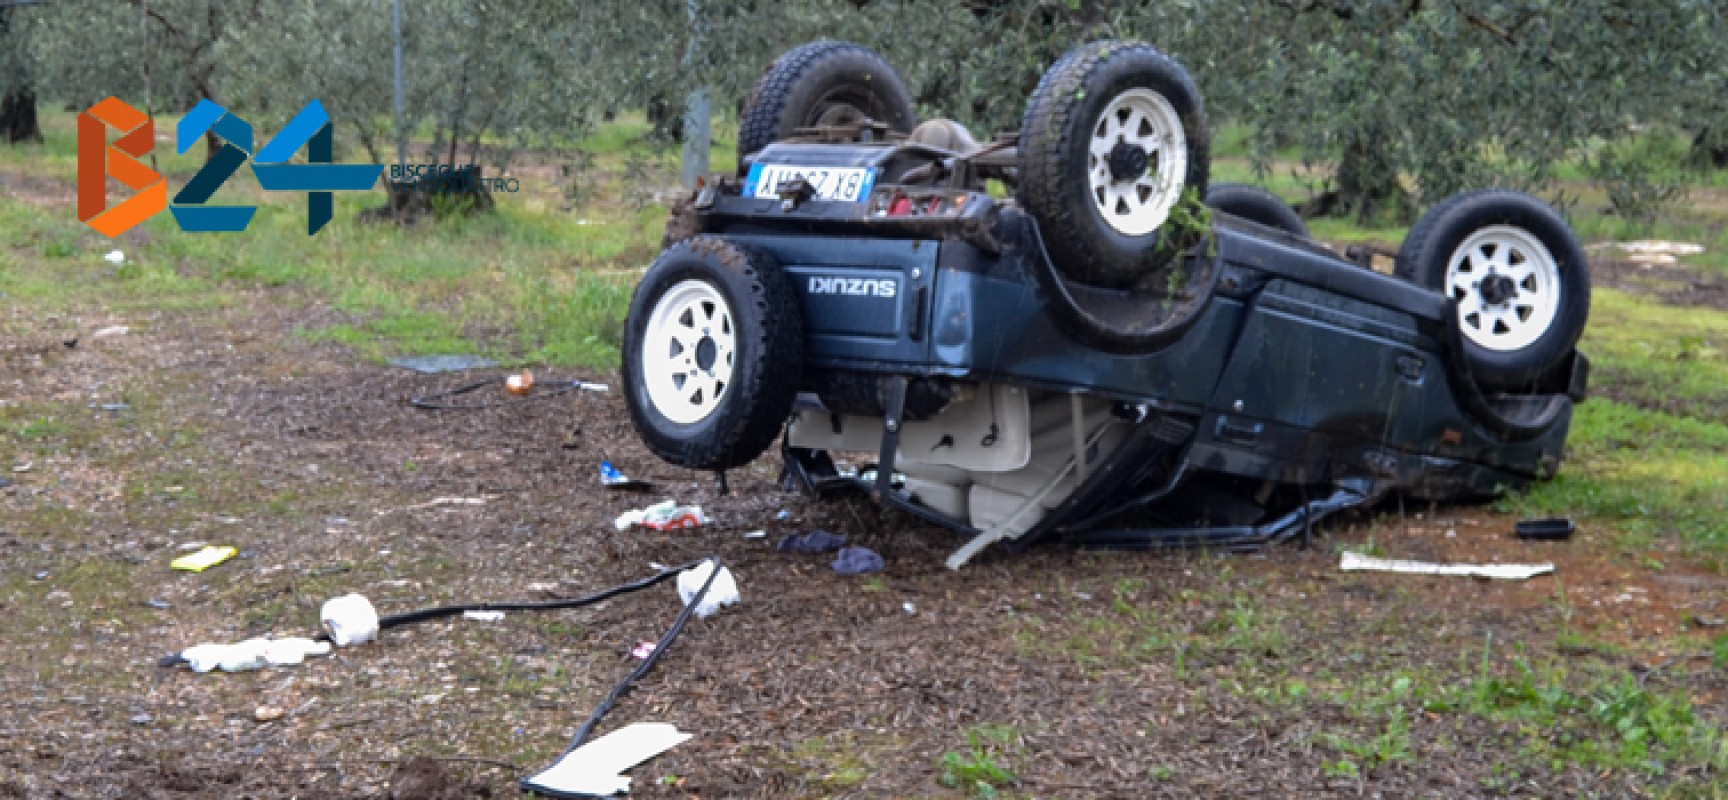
pixel 235 431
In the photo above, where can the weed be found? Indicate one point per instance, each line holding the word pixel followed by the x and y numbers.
pixel 979 771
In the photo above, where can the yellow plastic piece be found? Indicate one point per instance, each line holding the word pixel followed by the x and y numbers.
pixel 204 559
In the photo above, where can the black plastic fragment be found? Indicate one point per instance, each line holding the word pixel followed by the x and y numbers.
pixel 1558 529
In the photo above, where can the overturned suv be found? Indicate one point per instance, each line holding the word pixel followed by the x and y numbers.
pixel 1103 357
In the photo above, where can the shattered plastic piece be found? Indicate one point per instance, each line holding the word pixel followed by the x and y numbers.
pixel 783 515
pixel 1356 562
pixel 858 561
pixel 723 592
pixel 349 619
pixel 642 650
pixel 252 654
pixel 816 541
pixel 756 535
pixel 484 616
pixel 663 516
pixel 611 478
pixel 114 257
pixel 1545 530
pixel 908 608
pixel 206 557
pixel 111 330
pixel 431 365
pixel 595 769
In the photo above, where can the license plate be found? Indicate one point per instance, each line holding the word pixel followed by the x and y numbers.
pixel 843 184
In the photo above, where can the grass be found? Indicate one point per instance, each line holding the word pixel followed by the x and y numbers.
pixel 982 768
pixel 529 284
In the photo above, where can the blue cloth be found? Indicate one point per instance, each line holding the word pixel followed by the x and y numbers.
pixel 858 561
pixel 816 541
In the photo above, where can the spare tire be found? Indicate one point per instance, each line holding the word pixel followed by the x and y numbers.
pixel 823 83
pixel 713 352
pixel 1256 205
pixel 1114 135
pixel 1518 275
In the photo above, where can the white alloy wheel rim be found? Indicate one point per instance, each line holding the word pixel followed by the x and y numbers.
pixel 688 351
pixel 1136 205
pixel 1507 286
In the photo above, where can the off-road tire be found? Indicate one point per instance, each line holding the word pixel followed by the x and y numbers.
pixel 768 354
pixel 806 81
pixel 1055 149
pixel 1256 205
pixel 1427 253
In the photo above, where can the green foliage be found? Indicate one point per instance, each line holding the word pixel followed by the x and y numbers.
pixel 979 771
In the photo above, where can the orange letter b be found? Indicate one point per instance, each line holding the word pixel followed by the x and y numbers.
pixel 97 160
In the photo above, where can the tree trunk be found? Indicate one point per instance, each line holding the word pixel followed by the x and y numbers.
pixel 18 116
pixel 1366 182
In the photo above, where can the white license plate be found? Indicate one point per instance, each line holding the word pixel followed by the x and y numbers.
pixel 844 184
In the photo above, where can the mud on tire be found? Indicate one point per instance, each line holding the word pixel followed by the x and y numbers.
pixel 1518 275
pixel 713 351
pixel 1114 135
pixel 822 83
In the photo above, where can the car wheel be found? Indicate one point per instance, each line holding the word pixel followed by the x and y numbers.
pixel 818 84
pixel 1114 135
pixel 713 350
pixel 1256 205
pixel 1518 275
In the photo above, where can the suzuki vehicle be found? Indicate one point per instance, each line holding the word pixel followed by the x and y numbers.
pixel 1111 353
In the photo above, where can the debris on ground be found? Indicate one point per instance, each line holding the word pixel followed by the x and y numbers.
pixel 723 592
pixel 1356 562
pixel 1652 251
pixel 520 385
pixel 115 257
pixel 206 557
pixel 1545 530
pixel 643 650
pixel 267 713
pixel 252 654
pixel 111 330
pixel 596 768
pixel 24 467
pixel 663 516
pixel 444 501
pixel 612 478
pixel 349 619
pixel 816 541
pixel 432 365
pixel 484 616
pixel 858 561
pixel 757 534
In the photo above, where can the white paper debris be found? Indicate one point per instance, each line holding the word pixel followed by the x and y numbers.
pixel 1356 562
pixel 114 257
pixel 595 768
pixel 252 654
pixel 350 619
pixel 664 516
pixel 112 330
pixel 723 592
pixel 483 616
